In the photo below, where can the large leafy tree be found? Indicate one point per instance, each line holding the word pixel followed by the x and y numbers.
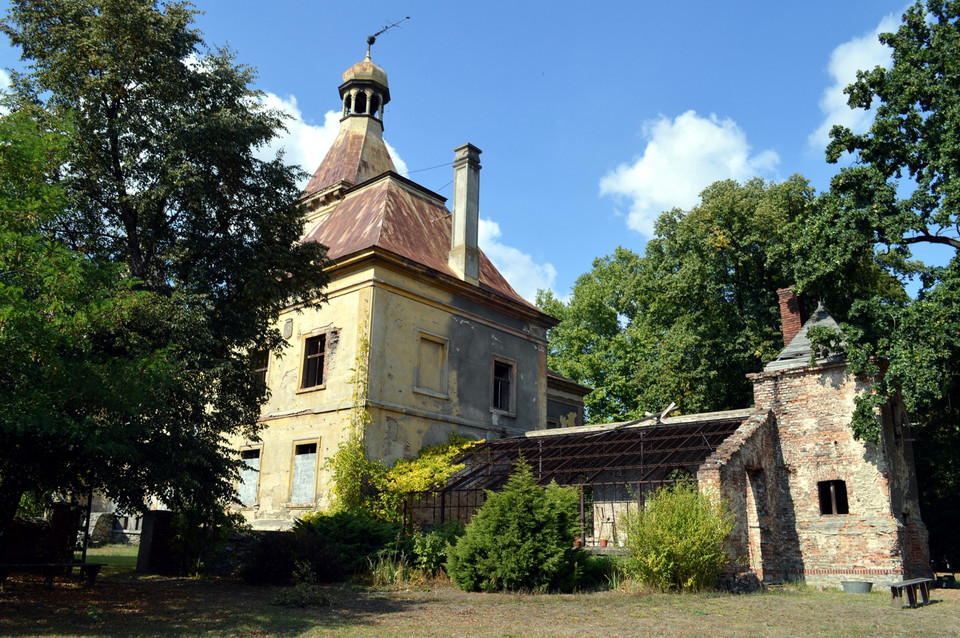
pixel 688 320
pixel 905 178
pixel 161 179
pixel 900 189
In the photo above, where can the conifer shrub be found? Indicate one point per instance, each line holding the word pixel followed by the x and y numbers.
pixel 521 539
pixel 354 536
pixel 677 541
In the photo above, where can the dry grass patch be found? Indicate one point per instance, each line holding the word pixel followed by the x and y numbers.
pixel 125 604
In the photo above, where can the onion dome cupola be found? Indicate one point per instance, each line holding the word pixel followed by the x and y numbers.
pixel 365 90
pixel 359 152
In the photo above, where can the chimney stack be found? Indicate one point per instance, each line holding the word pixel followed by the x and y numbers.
pixel 791 319
pixel 464 256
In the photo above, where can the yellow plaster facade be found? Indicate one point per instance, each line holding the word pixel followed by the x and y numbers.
pixel 452 347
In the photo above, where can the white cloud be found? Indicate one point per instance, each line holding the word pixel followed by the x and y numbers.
pixel 4 85
pixel 525 275
pixel 305 144
pixel 682 157
pixel 862 53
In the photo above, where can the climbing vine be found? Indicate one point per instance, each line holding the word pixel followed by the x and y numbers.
pixel 362 485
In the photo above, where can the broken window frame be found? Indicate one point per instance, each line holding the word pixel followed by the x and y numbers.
pixel 498 394
pixel 832 497
pixel 260 363
pixel 314 374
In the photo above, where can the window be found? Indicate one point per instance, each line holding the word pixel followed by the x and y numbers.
pixel 249 477
pixel 304 478
pixel 260 360
pixel 431 374
pixel 833 497
pixel 314 358
pixel 503 386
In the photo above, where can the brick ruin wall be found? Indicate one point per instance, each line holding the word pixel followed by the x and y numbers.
pixel 769 471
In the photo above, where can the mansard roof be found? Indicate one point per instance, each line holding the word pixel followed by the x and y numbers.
pixel 395 214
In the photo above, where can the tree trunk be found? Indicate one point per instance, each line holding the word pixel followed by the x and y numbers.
pixel 10 494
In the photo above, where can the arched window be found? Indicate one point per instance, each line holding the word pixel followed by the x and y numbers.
pixel 361 103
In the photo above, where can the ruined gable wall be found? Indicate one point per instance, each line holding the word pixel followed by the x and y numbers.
pixel 812 408
pixel 747 472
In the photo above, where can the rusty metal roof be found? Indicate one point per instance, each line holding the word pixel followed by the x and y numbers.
pixel 637 454
pixel 357 155
pixel 396 214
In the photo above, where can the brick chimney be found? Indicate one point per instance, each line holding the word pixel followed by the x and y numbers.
pixel 791 319
pixel 464 256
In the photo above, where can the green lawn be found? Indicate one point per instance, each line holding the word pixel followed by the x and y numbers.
pixel 117 557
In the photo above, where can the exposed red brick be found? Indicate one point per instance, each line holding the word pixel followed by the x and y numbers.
pixel 791 318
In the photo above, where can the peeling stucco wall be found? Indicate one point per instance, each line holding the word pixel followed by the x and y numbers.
pixel 396 310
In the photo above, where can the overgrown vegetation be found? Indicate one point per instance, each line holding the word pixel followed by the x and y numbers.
pixel 676 542
pixel 354 536
pixel 521 539
pixel 140 222
pixel 363 485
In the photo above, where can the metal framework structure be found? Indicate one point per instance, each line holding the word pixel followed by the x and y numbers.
pixel 630 457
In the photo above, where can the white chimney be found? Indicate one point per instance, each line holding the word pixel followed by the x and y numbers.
pixel 464 257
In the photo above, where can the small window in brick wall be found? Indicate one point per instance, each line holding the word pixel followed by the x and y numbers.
pixel 833 497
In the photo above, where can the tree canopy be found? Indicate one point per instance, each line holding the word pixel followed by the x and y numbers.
pixel 689 319
pixel 905 178
pixel 899 188
pixel 170 246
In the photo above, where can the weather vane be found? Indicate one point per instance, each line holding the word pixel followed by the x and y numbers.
pixel 373 38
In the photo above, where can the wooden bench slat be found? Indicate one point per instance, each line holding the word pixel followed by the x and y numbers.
pixel 910 587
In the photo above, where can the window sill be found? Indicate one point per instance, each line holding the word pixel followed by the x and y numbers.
pixel 313 388
pixel 503 412
pixel 432 393
pixel 300 506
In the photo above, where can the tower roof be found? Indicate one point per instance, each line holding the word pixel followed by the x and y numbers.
pixel 799 351
pixel 359 152
pixel 397 215
pixel 365 70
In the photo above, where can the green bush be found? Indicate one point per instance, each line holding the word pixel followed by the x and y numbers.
pixel 522 538
pixel 677 540
pixel 274 558
pixel 354 536
pixel 430 550
pixel 602 572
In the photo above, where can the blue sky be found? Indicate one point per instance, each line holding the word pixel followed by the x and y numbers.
pixel 591 121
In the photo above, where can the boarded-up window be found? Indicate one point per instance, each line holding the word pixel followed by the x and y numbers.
pixel 314 356
pixel 833 497
pixel 249 477
pixel 431 373
pixel 304 473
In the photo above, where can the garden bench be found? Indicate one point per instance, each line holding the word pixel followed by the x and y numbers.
pixel 910 587
pixel 88 571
